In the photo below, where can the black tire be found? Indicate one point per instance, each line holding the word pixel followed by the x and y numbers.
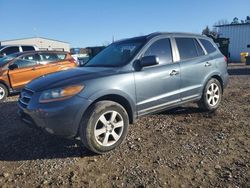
pixel 91 121
pixel 205 103
pixel 3 92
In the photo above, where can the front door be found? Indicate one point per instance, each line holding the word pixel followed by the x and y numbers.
pixel 25 72
pixel 157 86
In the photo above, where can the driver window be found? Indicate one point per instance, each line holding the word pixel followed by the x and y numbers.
pixel 27 61
pixel 161 49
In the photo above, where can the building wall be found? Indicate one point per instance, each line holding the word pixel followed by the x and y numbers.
pixel 40 43
pixel 239 36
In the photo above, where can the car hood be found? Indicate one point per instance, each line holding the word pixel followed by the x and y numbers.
pixel 68 77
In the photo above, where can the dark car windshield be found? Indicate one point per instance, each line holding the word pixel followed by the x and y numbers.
pixel 7 58
pixel 117 54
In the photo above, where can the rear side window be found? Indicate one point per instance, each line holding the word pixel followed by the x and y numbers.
pixel 199 49
pixel 28 48
pixel 48 58
pixel 10 50
pixel 208 46
pixel 61 56
pixel 161 49
pixel 187 48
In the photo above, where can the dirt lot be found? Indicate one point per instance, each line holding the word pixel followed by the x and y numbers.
pixel 183 147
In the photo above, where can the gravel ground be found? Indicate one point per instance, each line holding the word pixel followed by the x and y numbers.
pixel 183 147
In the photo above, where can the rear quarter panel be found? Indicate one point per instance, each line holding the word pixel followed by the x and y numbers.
pixel 219 70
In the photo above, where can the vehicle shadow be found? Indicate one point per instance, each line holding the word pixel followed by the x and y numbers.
pixel 18 142
pixel 182 111
pixel 239 71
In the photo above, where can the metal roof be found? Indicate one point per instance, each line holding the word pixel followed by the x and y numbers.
pixel 35 38
pixel 229 25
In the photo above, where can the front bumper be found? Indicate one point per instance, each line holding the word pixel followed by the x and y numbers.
pixel 60 118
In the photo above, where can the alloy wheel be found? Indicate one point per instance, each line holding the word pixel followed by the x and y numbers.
pixel 2 93
pixel 109 128
pixel 213 94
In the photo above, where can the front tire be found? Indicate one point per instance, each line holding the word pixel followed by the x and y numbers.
pixel 211 96
pixel 3 92
pixel 104 126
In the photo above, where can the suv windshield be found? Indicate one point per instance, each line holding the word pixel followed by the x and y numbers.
pixel 116 54
pixel 6 59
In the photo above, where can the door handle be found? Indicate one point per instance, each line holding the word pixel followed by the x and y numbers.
pixel 207 64
pixel 174 72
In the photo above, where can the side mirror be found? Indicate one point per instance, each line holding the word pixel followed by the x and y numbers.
pixel 13 66
pixel 149 61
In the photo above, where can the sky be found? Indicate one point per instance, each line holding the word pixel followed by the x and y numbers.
pixel 85 23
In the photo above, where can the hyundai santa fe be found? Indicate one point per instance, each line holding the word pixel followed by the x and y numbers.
pixel 128 79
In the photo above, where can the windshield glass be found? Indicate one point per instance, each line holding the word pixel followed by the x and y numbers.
pixel 116 54
pixel 1 47
pixel 6 59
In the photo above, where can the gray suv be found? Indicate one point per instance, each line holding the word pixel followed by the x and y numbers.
pixel 128 79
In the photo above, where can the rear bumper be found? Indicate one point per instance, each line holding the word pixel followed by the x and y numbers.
pixel 60 118
pixel 225 80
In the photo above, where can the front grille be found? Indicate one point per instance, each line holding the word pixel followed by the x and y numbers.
pixel 25 97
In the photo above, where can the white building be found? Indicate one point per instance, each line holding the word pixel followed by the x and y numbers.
pixel 239 37
pixel 40 42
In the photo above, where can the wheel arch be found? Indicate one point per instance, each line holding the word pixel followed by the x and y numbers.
pixel 217 76
pixel 6 85
pixel 120 100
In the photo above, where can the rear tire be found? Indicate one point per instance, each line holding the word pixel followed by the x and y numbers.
pixel 104 126
pixel 3 92
pixel 211 96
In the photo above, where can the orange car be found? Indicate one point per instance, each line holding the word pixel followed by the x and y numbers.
pixel 18 69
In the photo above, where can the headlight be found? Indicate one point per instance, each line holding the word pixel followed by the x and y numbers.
pixel 60 93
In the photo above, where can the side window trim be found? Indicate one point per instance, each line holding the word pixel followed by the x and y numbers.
pixel 175 51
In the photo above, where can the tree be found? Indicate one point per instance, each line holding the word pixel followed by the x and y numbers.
pixel 235 20
pixel 206 31
pixel 221 22
pixel 210 33
pixel 247 19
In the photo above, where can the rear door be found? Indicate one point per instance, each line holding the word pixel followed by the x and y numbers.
pixel 193 65
pixel 53 62
pixel 26 71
